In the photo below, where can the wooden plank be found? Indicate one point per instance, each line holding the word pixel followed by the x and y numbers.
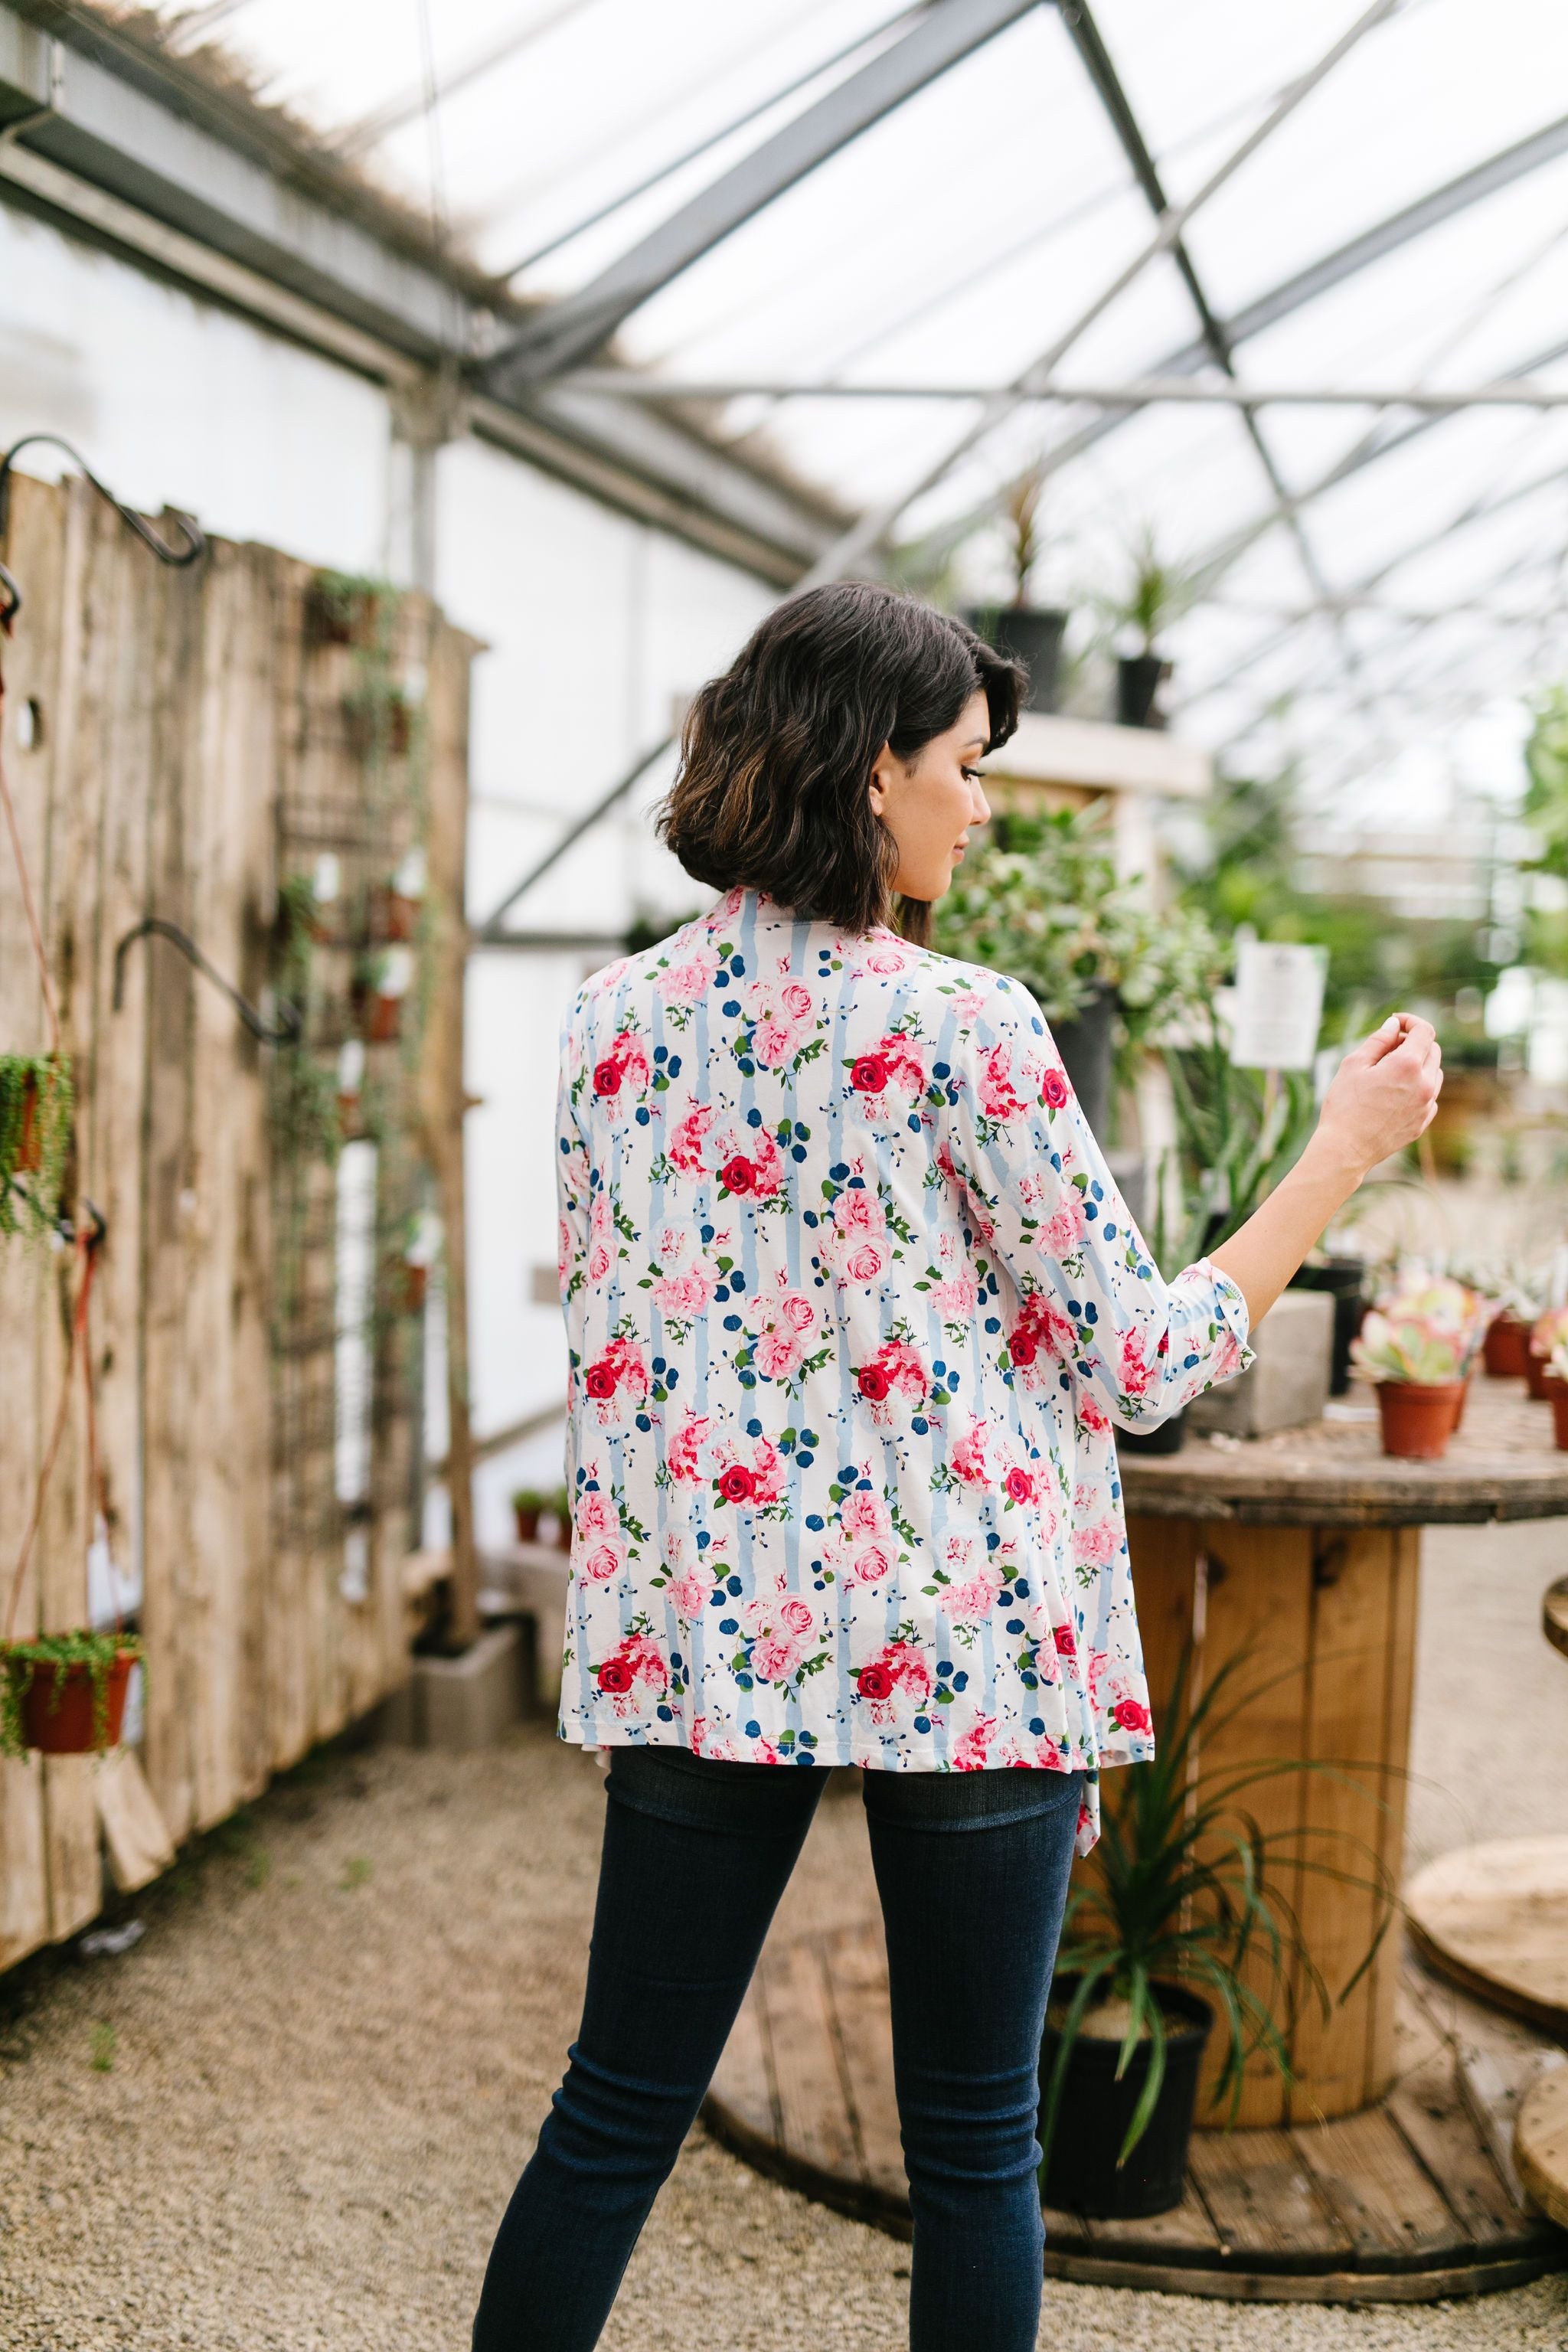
pixel 1426 2108
pixel 813 2100
pixel 858 1973
pixel 441 1081
pixel 1372 2181
pixel 1541 2144
pixel 1257 1598
pixel 1186 2234
pixel 1264 2202
pixel 136 1835
pixel 1494 1918
pixel 1358 1674
pixel 741 2079
pixel 1554 1614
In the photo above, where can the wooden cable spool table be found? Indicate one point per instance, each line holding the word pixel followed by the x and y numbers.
pixel 1386 2172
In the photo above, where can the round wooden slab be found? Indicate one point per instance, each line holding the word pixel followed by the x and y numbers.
pixel 1554 1615
pixel 1495 1919
pixel 1502 1464
pixel 1541 2144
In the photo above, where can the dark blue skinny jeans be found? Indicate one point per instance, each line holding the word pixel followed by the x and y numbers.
pixel 971 1869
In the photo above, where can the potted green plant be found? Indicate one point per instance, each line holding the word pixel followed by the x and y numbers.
pixel 64 1694
pixel 1155 592
pixel 1418 1348
pixel 1031 633
pixel 1177 1924
pixel 1041 901
pixel 1546 1336
pixel 381 982
pixel 37 1103
pixel 560 1503
pixel 527 1503
pixel 342 608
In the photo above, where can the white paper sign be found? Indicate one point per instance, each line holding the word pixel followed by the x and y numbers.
pixel 1277 1004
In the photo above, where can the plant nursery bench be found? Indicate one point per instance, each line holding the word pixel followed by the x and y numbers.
pixel 1387 2173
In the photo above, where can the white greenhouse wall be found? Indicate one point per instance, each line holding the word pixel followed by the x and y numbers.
pixel 595 626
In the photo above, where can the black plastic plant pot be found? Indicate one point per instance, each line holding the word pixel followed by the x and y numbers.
pixel 1082 2175
pixel 1084 1045
pixel 1345 1278
pixel 1032 634
pixel 1168 1437
pixel 1138 677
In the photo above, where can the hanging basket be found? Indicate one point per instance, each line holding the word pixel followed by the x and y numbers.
pixel 65 1705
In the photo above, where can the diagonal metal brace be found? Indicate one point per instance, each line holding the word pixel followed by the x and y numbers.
pixel 289 1021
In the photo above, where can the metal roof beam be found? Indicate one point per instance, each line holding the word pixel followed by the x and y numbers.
pixel 857 541
pixel 1138 391
pixel 946 32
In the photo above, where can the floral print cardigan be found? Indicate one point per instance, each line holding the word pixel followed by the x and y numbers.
pixel 852 1307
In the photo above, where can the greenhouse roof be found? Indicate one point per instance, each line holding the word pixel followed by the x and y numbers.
pixel 1282 286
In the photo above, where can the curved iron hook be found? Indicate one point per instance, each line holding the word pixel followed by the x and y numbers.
pixel 194 548
pixel 289 1021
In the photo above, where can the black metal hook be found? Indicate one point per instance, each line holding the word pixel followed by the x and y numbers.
pixel 194 548
pixel 65 1225
pixel 290 1019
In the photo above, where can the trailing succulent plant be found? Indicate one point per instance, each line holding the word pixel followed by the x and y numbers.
pixel 96 1652
pixel 37 1102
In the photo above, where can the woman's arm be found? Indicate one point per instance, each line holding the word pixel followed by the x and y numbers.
pixel 1383 1095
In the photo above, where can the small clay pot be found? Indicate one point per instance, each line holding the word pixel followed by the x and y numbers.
pixel 1418 1417
pixel 563 1530
pixel 1507 1349
pixel 416 1288
pixel 1464 1398
pixel 67 1730
pixel 391 916
pixel 1536 1375
pixel 1558 1394
pixel 527 1519
pixel 380 1017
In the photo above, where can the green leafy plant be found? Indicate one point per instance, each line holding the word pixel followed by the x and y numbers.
pixel 1042 902
pixel 1186 1894
pixel 1021 510
pixel 1428 1333
pixel 1154 593
pixel 37 1100
pixel 1238 1132
pixel 531 1498
pixel 348 608
pixel 97 1651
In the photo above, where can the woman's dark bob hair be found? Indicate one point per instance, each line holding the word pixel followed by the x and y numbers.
pixel 776 755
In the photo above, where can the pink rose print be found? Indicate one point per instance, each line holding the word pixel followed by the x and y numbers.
pixel 596 1515
pixel 686 1447
pixel 687 982
pixel 757 1172
pixel 604 1562
pixel 1054 1089
pixel 872 1563
pixel 780 1012
pixel 783 1321
pixel 1129 1715
pixel 957 1299
pixel 1041 1338
pixel 619 1378
pixel 1093 1546
pixel 774 1659
pixel 1021 1485
pixel 971 1596
pixel 636 1659
pixel 869 1073
pixel 1065 1646
pixel 887 956
pixel 968 1456
pixel 873 1682
pixel 969 1750
pixel 688 1139
pixel 798 1616
pixel 1093 1415
pixel 1135 1374
pixel 863 1513
pixel 1063 1230
pixel 898 1371
pixel 998 1098
pixel 758 1482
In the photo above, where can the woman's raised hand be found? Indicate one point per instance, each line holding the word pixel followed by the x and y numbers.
pixel 1385 1093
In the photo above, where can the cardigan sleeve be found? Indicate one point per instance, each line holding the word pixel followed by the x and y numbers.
pixel 1093 1309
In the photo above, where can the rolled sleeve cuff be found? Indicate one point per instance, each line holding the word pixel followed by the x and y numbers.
pixel 1229 1309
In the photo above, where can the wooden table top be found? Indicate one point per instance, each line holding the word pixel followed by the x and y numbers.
pixel 1502 1464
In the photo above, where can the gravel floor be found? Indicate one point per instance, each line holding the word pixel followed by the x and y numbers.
pixel 289 2119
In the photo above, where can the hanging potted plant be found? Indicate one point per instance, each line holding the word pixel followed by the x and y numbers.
pixel 342 608
pixel 379 719
pixel 1156 595
pixel 527 1503
pixel 1176 1924
pixel 381 982
pixel 393 908
pixel 37 1102
pixel 1418 1348
pixel 64 1694
pixel 1031 633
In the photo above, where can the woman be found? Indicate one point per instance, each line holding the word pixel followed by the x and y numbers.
pixel 854 1307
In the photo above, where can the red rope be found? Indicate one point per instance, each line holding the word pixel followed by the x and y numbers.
pixel 86 1251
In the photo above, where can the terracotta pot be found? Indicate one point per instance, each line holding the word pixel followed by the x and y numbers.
pixel 389 915
pixel 563 1530
pixel 527 1523
pixel 1462 1399
pixel 380 1018
pixel 1560 1414
pixel 1418 1417
pixel 67 1730
pixel 1535 1375
pixel 415 1287
pixel 1507 1349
